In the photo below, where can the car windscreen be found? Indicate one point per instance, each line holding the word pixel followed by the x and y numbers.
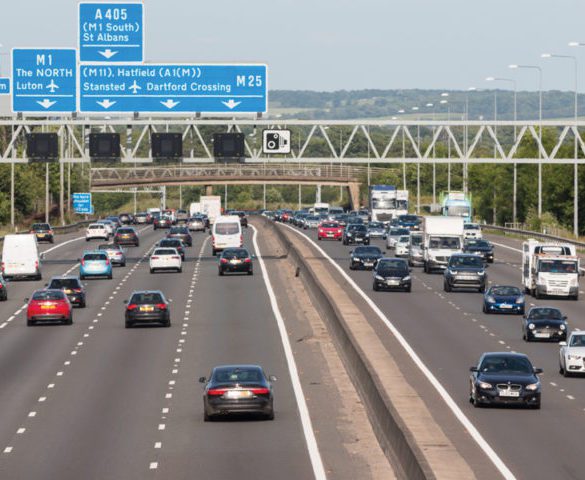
pixel 367 251
pixel 41 226
pixel 330 225
pixel 578 341
pixel 505 291
pixel 408 218
pixel 392 265
pixel 471 261
pixel 479 243
pixel 95 256
pixel 395 232
pixel 177 230
pixel 416 240
pixel 59 283
pixel 146 298
pixel 557 266
pixel 505 364
pixel 545 313
pixel 108 247
pixel 125 230
pixel 237 375
pixel 471 226
pixel 235 253
pixel 376 225
pixel 164 251
pixel 357 228
pixel 450 243
pixel 227 228
pixel 96 227
pixel 48 295
pixel 404 239
pixel 170 242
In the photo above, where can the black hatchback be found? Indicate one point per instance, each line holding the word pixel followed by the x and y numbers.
pixel 544 323
pixel 72 287
pixel 173 243
pixel 356 233
pixel 147 306
pixel 43 232
pixel 364 257
pixel 235 260
pixel 392 274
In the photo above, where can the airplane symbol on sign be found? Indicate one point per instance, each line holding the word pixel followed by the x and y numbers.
pixel 52 86
pixel 135 87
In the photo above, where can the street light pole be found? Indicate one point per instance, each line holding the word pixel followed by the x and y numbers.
pixel 446 102
pixel 432 105
pixel 403 155
pixel 415 109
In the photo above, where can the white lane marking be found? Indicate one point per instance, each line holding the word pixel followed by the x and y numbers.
pixel 32 414
pixel 570 397
pixel 153 465
pixel 8 450
pixel 158 445
pixel 21 430
pixel 312 447
pixel 165 410
pixel 42 399
pixel 441 390
pixel 161 426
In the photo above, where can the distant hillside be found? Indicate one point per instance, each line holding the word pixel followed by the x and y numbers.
pixel 343 104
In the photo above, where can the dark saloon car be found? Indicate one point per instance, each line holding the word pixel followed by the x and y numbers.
pixel 364 257
pixel 480 247
pixel 235 260
pixel 544 323
pixel 3 289
pixel 43 232
pixel 181 233
pixel 238 389
pixel 244 219
pixel 173 243
pixel 504 299
pixel 465 271
pixel 356 233
pixel 392 274
pixel 412 222
pixel 504 378
pixel 126 236
pixel 162 222
pixel 147 306
pixel 72 287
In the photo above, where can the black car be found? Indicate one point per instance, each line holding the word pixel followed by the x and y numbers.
pixel 392 274
pixel 233 389
pixel 126 236
pixel 235 260
pixel 3 289
pixel 480 247
pixel 412 222
pixel 162 222
pixel 244 219
pixel 173 243
pixel 364 257
pixel 72 287
pixel 181 233
pixel 43 232
pixel 465 271
pixel 147 306
pixel 356 233
pixel 504 378
pixel 544 323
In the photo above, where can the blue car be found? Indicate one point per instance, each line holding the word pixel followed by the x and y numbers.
pixel 95 264
pixel 504 299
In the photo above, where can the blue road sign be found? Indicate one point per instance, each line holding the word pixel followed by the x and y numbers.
pixel 4 86
pixel 44 80
pixel 111 32
pixel 82 203
pixel 173 88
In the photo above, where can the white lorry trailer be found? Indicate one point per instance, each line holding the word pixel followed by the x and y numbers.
pixel 442 237
pixel 194 208
pixel 211 206
pixel 550 269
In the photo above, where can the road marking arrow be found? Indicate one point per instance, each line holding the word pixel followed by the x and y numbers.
pixel 107 53
pixel 106 103
pixel 231 104
pixel 46 103
pixel 170 103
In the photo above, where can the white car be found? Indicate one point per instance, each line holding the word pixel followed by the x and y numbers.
pixel 472 230
pixel 572 354
pixel 110 226
pixel 394 234
pixel 402 246
pixel 96 230
pixel 165 258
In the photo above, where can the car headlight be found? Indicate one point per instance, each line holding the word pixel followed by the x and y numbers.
pixel 378 277
pixel 453 272
pixel 563 326
pixel 480 273
pixel 490 299
pixel 406 279
pixel 531 326
pixel 485 385
pixel 367 234
pixel 349 234
pixel 532 387
pixel 520 300
pixel 574 357
pixel 355 259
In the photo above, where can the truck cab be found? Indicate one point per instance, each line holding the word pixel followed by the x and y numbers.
pixel 442 237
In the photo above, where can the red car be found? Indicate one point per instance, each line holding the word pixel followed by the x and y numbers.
pixel 330 230
pixel 49 305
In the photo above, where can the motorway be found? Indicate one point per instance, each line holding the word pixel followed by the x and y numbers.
pixel 449 332
pixel 97 401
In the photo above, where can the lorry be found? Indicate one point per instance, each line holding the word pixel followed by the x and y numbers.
pixel 456 204
pixel 319 208
pixel 194 208
pixel 442 237
pixel 382 201
pixel 211 206
pixel 550 269
pixel 21 257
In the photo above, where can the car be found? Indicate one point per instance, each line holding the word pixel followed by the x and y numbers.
pixel 43 232
pixel 234 260
pixel 72 287
pixel 415 250
pixel 330 230
pixel 472 230
pixel 544 323
pixel 226 232
pixel 96 230
pixel 165 258
pixel 504 299
pixel 465 271
pixel 233 389
pixel 392 274
pixel 141 218
pixel 356 233
pixel 504 378
pixel 355 219
pixel 95 264
pixel 126 236
pixel 572 354
pixel 48 306
pixel 115 220
pixel 196 224
pixel 162 221
pixel 364 257
pixel 126 218
pixel 182 216
pixel 147 307
pixel 182 233
pixel 21 257
pixel 394 233
pixel 116 253
pixel 402 246
pixel 3 289
pixel 480 247
pixel 377 230
pixel 342 219
pixel 244 219
pixel 412 222
pixel 311 221
pixel 111 227
pixel 173 243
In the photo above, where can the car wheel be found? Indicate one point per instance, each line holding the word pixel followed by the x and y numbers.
pixel 521 312
pixel 87 239
pixel 123 264
pixel 213 252
pixel 318 238
pixel 536 406
pixel 270 416
pixel 561 370
pixel 527 337
pixel 482 289
pixel 180 270
pixel 128 324
pixel 575 297
pixel 167 324
pixel 152 270
pixel 566 374
pixel 537 294
pixel 110 276
pixel 81 277
pixel 220 273
pixel 82 304
pixel 250 272
pixel 376 288
pixel 69 321
pixel 207 418
pixel 339 239
pixel 29 323
pixel 4 297
pixel 446 286
pixel 407 289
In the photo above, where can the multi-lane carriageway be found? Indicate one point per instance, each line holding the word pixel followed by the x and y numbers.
pixel 97 401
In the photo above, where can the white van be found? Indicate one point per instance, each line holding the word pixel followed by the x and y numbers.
pixel 226 233
pixel 20 257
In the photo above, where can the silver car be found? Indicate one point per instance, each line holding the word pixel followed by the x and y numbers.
pixel 415 252
pixel 394 233
pixel 312 222
pixel 402 246
pixel 377 230
pixel 196 224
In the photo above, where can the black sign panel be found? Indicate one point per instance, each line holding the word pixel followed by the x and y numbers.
pixel 166 145
pixel 104 146
pixel 228 146
pixel 42 147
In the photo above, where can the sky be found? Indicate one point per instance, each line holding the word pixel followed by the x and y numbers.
pixel 329 45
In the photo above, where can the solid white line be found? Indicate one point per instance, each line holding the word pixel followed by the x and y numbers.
pixel 441 390
pixel 315 456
